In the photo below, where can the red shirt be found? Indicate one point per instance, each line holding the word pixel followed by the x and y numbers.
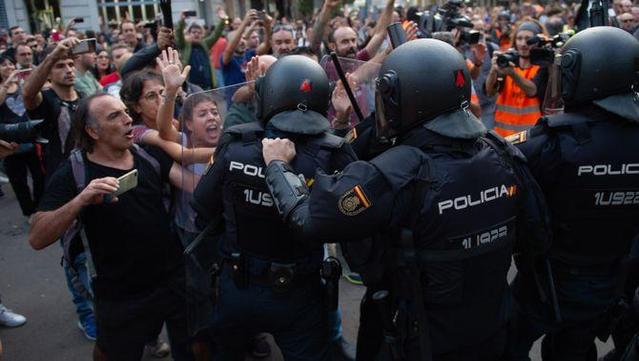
pixel 109 79
pixel 216 52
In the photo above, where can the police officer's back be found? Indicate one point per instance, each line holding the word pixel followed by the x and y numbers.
pixel 269 282
pixel 587 163
pixel 450 198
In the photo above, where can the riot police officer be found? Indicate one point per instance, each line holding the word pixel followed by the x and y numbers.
pixel 269 282
pixel 451 200
pixel 587 163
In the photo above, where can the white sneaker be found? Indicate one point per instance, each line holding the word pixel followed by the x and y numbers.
pixel 9 318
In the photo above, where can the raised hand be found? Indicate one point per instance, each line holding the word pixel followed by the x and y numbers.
pixel 12 78
pixel 221 13
pixel 165 38
pixel 64 47
pixel 253 71
pixel 171 67
pixel 331 4
pixel 411 31
pixel 250 17
pixel 479 51
pixel 341 103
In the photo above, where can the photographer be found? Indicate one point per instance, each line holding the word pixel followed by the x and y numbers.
pixel 520 84
pixel 501 32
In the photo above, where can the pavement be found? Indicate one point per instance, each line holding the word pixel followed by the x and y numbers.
pixel 32 283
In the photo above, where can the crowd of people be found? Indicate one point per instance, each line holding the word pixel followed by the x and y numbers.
pixel 196 241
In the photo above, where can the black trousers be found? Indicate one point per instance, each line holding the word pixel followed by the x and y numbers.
pixel 18 166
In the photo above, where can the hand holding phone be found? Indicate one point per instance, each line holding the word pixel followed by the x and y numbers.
pixel 125 184
pixel 84 46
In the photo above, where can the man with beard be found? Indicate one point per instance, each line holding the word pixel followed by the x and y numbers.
pixel 236 55
pixel 195 51
pixel 343 40
pixel 85 82
pixel 282 40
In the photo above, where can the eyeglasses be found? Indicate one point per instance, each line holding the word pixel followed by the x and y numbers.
pixel 628 21
pixel 153 96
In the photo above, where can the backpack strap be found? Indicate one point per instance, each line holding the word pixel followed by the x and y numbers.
pixel 146 156
pixel 79 170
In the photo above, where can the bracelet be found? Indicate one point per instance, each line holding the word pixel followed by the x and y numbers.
pixel 169 98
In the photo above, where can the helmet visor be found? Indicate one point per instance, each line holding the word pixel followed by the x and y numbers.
pixel 553 101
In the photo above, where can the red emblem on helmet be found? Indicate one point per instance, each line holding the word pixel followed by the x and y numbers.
pixel 459 79
pixel 306 86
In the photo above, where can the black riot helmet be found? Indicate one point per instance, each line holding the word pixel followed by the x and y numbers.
pixel 419 81
pixel 597 63
pixel 293 96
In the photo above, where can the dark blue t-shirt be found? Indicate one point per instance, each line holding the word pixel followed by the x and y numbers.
pixel 200 68
pixel 233 72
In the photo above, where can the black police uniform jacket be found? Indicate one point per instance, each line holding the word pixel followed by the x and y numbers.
pixel 466 203
pixel 587 164
pixel 234 187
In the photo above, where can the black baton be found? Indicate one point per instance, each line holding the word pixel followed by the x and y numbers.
pixel 347 86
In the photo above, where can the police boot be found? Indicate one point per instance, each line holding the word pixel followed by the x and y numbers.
pixel 342 350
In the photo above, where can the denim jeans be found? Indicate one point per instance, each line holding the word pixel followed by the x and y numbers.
pixel 83 307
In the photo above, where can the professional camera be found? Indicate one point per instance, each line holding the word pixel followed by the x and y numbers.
pixel 510 56
pixel 544 53
pixel 445 18
pixel 471 37
pixel 23 132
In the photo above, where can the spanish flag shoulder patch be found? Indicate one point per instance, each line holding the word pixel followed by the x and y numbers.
pixel 353 202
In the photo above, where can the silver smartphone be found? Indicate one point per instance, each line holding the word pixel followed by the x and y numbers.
pixel 84 46
pixel 127 182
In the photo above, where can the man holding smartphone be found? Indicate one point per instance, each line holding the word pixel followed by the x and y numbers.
pixel 55 105
pixel 137 258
